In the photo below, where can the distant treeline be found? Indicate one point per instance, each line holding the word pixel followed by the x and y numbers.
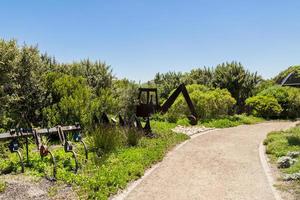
pixel 36 90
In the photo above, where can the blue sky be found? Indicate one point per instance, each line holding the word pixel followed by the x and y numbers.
pixel 139 38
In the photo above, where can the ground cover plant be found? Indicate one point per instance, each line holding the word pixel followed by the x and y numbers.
pixel 280 144
pixel 230 121
pixel 109 168
pixel 2 186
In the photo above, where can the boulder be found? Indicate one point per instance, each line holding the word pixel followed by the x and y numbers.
pixel 285 162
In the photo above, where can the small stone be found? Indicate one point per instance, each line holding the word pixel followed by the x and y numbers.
pixel 292 177
pixel 285 162
pixel 293 154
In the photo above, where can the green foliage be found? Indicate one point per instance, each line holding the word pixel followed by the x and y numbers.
pixel 199 76
pixel 103 176
pixel 36 90
pixel 167 82
pixel 264 84
pixel 237 80
pixel 69 100
pixel 98 74
pixel 231 76
pixel 106 139
pixel 279 143
pixel 125 93
pixel 2 186
pixel 133 136
pixel 287 97
pixel 230 121
pixel 264 106
pixel 209 103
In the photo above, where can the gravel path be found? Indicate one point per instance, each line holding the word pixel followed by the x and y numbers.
pixel 222 164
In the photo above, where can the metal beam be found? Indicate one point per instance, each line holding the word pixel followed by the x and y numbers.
pixel 45 131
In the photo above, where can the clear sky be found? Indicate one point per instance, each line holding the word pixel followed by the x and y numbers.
pixel 139 38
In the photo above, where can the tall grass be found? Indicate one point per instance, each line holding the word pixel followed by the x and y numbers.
pixel 106 139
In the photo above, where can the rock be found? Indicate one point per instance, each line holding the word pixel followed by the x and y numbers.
pixel 294 154
pixel 292 177
pixel 285 162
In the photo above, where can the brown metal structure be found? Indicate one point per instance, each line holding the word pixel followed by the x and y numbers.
pixel 15 134
pixel 150 105
pixel 292 80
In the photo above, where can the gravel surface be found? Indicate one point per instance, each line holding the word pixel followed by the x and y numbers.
pixel 222 164
pixel 190 130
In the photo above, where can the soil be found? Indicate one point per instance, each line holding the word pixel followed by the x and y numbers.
pixel 21 187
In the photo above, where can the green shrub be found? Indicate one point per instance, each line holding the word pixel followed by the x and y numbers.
pixel 287 97
pixel 106 139
pixel 133 136
pixel 264 106
pixel 209 103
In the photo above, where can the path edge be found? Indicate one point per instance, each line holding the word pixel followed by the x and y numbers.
pixel 267 171
pixel 131 186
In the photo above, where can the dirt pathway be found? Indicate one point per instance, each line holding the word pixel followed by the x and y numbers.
pixel 222 164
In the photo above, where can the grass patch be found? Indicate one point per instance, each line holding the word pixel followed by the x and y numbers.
pixel 103 175
pixel 230 121
pixel 279 143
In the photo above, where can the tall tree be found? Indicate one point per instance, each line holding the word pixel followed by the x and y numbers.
pixel 239 81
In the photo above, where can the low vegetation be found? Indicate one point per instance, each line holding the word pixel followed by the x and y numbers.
pixel 279 144
pixel 2 186
pixel 231 121
pixel 110 167
pixel 38 91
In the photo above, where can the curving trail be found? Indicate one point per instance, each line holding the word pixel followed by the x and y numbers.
pixel 222 164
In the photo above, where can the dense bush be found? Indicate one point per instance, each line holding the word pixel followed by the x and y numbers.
pixel 209 103
pixel 68 100
pixel 107 138
pixel 287 97
pixel 232 76
pixel 237 80
pixel 264 106
pixel 36 90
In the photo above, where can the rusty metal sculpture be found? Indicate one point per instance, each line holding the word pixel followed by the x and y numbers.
pixel 16 134
pixel 150 104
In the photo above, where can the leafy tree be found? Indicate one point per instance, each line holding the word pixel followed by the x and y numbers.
pixel 69 100
pixel 27 109
pixel 125 92
pixel 237 80
pixel 9 59
pixel 167 82
pixel 98 74
pixel 199 76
